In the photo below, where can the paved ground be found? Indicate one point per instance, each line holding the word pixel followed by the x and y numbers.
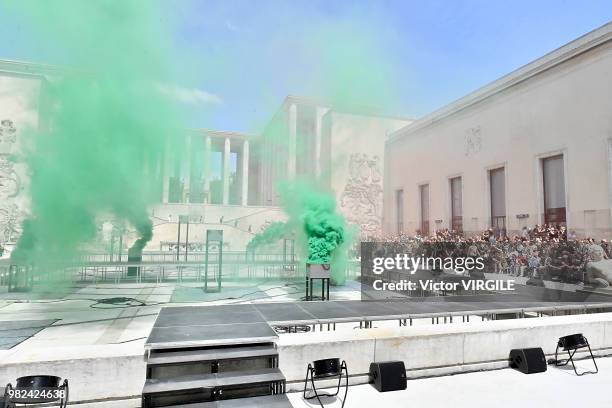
pixel 78 320
pixel 558 388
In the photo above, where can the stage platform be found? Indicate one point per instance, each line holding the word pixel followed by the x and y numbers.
pixel 193 326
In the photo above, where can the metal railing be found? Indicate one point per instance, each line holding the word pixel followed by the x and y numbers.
pixel 162 267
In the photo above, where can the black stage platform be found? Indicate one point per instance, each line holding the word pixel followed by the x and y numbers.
pixel 190 326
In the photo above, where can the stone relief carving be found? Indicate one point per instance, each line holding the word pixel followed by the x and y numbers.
pixel 10 183
pixel 10 222
pixel 11 214
pixel 361 198
pixel 8 132
pixel 473 141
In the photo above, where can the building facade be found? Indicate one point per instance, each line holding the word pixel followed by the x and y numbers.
pixel 215 179
pixel 534 146
pixel 20 89
pixel 342 150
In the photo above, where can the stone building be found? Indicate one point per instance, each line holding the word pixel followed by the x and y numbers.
pixel 342 149
pixel 218 180
pixel 532 147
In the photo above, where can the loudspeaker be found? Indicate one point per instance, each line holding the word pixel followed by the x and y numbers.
pixel 528 360
pixel 388 376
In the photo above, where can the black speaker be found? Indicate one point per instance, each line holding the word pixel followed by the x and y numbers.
pixel 528 360
pixel 388 376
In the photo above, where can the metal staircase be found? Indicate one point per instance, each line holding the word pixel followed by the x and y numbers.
pixel 220 376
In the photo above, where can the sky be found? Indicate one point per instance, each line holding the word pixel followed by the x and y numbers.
pixel 404 58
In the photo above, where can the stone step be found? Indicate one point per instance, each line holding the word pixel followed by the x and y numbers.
pixel 213 354
pixel 209 387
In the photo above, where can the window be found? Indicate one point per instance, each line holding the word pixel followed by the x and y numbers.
pixel 456 204
pixel 399 210
pixel 554 190
pixel 497 184
pixel 424 197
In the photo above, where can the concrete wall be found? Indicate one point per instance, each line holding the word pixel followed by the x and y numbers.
pixel 562 110
pixel 93 372
pixel 439 349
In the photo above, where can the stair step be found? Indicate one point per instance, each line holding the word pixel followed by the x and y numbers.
pixel 212 381
pixel 267 401
pixel 214 354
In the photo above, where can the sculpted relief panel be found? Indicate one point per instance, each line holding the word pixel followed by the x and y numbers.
pixel 10 184
pixel 361 198
pixel 473 141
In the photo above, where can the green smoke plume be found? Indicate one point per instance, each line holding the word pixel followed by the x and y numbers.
pixel 102 135
pixel 321 230
pixel 272 233
pixel 345 62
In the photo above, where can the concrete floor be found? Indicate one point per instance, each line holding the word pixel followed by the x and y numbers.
pixel 82 322
pixel 559 388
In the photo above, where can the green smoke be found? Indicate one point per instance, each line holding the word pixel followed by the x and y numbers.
pixel 272 233
pixel 322 231
pixel 102 134
pixel 345 61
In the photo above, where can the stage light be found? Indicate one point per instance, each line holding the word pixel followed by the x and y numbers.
pixel 571 344
pixel 323 370
pixel 36 389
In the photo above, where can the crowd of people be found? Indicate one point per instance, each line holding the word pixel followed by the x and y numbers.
pixel 545 252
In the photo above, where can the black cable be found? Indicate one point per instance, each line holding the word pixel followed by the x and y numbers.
pixel 124 299
pixel 127 341
pixel 118 303
pixel 126 302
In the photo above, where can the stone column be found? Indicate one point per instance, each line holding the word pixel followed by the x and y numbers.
pixel 245 173
pixel 318 138
pixel 166 175
pixel 186 170
pixel 291 162
pixel 207 158
pixel 226 170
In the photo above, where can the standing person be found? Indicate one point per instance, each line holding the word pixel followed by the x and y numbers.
pixel 533 265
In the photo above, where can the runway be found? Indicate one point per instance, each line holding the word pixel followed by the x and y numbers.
pixel 189 326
